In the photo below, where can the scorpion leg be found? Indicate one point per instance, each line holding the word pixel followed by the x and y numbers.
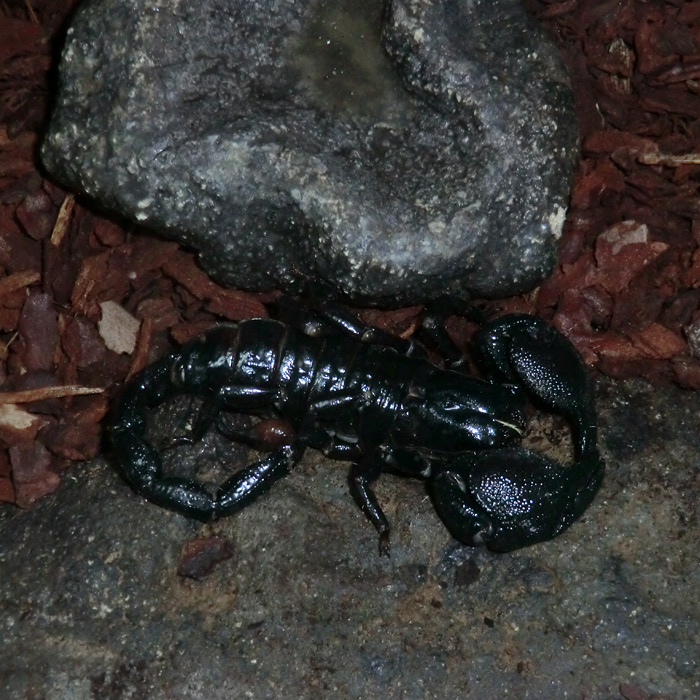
pixel 257 478
pixel 432 328
pixel 246 399
pixel 349 323
pixel 329 317
pixel 368 469
pixel 362 474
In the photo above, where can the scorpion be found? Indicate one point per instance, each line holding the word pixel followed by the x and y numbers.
pixel 368 397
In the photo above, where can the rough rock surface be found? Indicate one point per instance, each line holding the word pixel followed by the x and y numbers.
pixel 397 150
pixel 92 606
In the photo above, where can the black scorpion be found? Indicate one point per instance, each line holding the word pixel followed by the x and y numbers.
pixel 364 396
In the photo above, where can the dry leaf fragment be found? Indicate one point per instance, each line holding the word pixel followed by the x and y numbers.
pixel 17 425
pixel 118 328
pixel 669 159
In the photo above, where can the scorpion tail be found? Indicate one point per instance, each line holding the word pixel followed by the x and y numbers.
pixel 138 461
pixel 255 479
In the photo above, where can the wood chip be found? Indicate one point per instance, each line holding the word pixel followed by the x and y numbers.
pixel 670 160
pixel 18 280
pixel 49 392
pixel 62 220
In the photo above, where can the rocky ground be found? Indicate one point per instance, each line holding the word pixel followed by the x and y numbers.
pixel 106 596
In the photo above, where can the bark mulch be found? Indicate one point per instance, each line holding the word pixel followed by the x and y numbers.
pixel 87 301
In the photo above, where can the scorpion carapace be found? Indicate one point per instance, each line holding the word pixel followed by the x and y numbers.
pixel 367 397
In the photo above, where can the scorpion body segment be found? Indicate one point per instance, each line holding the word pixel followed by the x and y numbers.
pixel 362 396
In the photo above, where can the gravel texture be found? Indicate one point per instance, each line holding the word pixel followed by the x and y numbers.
pixel 397 150
pixel 300 605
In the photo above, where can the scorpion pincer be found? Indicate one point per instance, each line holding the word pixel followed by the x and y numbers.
pixel 367 397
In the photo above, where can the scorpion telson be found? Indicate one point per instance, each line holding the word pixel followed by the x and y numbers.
pixel 367 397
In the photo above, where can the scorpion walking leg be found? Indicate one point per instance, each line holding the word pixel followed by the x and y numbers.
pixel 432 330
pixel 362 474
pixel 244 398
pixel 328 317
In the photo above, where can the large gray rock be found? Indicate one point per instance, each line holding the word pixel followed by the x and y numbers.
pixel 398 150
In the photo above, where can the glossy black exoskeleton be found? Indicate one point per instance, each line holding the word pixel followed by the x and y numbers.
pixel 361 395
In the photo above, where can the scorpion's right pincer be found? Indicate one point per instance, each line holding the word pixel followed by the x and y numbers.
pixel 361 395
